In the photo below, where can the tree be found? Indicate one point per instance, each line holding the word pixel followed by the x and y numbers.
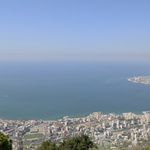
pixel 81 142
pixel 5 143
pixel 48 145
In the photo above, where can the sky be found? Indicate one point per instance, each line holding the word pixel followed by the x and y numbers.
pixel 75 29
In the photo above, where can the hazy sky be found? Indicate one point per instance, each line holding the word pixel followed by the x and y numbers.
pixel 75 29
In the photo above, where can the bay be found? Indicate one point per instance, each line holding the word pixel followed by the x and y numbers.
pixel 44 89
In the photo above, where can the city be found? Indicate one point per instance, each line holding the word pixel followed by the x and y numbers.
pixel 127 129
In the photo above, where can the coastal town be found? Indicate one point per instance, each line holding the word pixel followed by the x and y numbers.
pixel 111 130
pixel 140 79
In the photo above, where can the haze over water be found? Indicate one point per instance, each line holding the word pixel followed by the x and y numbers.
pixel 53 89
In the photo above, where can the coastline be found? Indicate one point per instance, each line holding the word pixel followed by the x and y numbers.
pixel 140 79
pixel 73 116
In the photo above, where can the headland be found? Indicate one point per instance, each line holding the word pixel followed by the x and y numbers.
pixel 140 79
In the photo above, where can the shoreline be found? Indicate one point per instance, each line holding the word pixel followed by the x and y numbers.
pixel 75 116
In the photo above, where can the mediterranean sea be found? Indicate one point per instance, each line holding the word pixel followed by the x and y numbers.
pixel 49 90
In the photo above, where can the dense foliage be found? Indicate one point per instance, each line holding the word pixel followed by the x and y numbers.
pixel 5 143
pixel 48 146
pixel 81 142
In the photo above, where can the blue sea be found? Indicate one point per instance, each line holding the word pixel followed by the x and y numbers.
pixel 49 90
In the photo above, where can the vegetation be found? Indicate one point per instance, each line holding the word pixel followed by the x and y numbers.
pixel 5 143
pixel 142 147
pixel 35 135
pixel 147 148
pixel 81 142
pixel 46 145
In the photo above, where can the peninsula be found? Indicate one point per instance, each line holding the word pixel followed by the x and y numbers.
pixel 140 79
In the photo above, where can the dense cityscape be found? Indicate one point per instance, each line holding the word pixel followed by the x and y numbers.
pixel 112 130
